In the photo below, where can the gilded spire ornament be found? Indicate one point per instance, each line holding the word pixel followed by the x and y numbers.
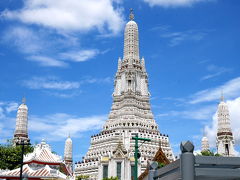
pixel 131 16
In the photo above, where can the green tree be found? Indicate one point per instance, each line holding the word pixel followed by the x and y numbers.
pixel 160 164
pixel 82 177
pixel 11 155
pixel 209 153
pixel 111 178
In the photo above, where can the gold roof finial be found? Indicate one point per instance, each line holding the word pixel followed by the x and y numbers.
pixel 131 16
pixel 24 100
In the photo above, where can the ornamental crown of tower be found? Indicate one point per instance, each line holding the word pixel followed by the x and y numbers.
pixel 223 117
pixel 131 42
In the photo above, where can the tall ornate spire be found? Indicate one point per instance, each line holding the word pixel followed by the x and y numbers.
pixel 131 46
pixel 131 76
pixel 225 142
pixel 130 113
pixel 68 154
pixel 68 149
pixel 21 130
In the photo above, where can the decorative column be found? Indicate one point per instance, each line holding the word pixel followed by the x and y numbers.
pixel 187 160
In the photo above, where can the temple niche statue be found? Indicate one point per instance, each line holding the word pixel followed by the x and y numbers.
pixel 111 152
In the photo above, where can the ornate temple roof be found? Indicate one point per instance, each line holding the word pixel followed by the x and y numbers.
pixel 40 164
pixel 159 157
pixel 42 154
pixel 44 173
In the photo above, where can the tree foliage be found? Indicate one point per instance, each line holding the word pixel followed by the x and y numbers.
pixel 209 153
pixel 11 155
pixel 82 177
pixel 160 164
pixel 111 178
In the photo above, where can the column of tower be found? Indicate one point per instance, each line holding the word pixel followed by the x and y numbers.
pixel 225 141
pixel 68 153
pixel 21 130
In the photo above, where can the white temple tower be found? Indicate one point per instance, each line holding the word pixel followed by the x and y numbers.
pixel 68 154
pixel 205 144
pixel 225 142
pixel 112 150
pixel 21 130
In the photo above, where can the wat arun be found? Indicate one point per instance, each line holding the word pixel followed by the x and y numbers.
pixel 111 152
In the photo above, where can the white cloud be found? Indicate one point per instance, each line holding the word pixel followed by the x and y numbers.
pixel 50 83
pixel 35 43
pixel 7 119
pixel 211 130
pixel 54 86
pixel 64 21
pixel 79 56
pixel 53 127
pixel 98 80
pixel 203 113
pixel 7 107
pixel 64 95
pixel 214 71
pixel 56 127
pixel 70 15
pixel 2 115
pixel 26 40
pixel 160 27
pixel 12 106
pixel 47 61
pixel 176 38
pixel 174 3
pixel 231 89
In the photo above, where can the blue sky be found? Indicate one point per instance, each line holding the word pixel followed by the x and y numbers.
pixel 63 58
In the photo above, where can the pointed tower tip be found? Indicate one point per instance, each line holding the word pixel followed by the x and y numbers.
pixel 131 16
pixel 24 100
pixel 222 97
